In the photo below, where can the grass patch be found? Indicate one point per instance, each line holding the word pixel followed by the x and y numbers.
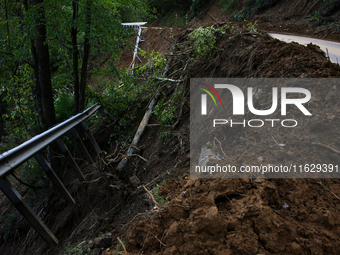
pixel 155 192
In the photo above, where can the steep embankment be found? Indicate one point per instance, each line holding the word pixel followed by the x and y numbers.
pixel 251 216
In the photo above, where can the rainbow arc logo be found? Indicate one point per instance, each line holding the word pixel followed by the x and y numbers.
pixel 204 97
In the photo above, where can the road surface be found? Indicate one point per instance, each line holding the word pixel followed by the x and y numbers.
pixel 333 47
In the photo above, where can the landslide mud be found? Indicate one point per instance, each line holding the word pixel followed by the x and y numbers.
pixel 253 216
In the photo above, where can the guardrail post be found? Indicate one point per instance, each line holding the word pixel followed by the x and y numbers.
pixel 92 140
pixel 81 145
pixel 66 152
pixel 54 178
pixel 13 195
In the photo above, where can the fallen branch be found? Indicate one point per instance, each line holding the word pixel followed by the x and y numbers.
pixel 328 147
pixel 145 120
pixel 121 243
pixel 139 214
pixel 113 208
pixel 139 157
pixel 166 79
pixel 212 17
pixel 168 39
pixel 328 189
pixel 91 181
pixel 139 133
pixel 151 196
pixel 180 54
pixel 158 240
pixel 153 180
pixel 180 113
pixel 225 156
pixel 277 143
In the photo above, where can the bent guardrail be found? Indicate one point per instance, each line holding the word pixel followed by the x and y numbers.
pixel 138 29
pixel 17 156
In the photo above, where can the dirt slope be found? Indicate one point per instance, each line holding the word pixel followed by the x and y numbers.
pixel 252 216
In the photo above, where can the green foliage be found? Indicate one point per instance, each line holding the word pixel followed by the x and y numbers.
pixel 64 105
pixel 123 99
pixel 119 247
pixel 19 115
pixel 157 63
pixel 18 28
pixel 239 15
pixel 204 40
pixel 155 193
pixel 314 16
pixel 226 5
pixel 9 141
pixel 167 10
pixel 255 3
pixel 33 174
pixel 251 27
pixel 176 18
pixel 164 6
pixel 8 219
pixel 196 5
pixel 136 11
pixel 76 249
pixel 165 111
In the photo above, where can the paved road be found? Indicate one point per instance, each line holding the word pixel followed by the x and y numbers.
pixel 333 47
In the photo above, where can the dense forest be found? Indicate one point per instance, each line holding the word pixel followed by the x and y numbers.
pixel 45 54
pixel 49 50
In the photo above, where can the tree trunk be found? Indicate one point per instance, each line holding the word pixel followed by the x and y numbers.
pixel 74 32
pixel 44 65
pixel 86 56
pixel 36 89
pixel 7 26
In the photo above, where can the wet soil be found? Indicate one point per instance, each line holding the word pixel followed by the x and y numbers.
pixel 204 216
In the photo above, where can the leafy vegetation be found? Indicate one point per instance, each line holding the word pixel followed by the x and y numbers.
pixel 128 94
pixel 239 15
pixel 22 112
pixel 155 192
pixel 165 111
pixel 252 28
pixel 76 249
pixel 8 220
pixel 163 6
pixel 204 40
pixel 314 16
pixel 229 6
pixel 119 247
pixel 226 5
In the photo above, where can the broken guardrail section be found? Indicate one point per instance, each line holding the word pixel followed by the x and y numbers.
pixel 17 156
pixel 137 27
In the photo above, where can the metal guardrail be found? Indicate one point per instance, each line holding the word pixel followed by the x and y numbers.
pixel 137 27
pixel 14 158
